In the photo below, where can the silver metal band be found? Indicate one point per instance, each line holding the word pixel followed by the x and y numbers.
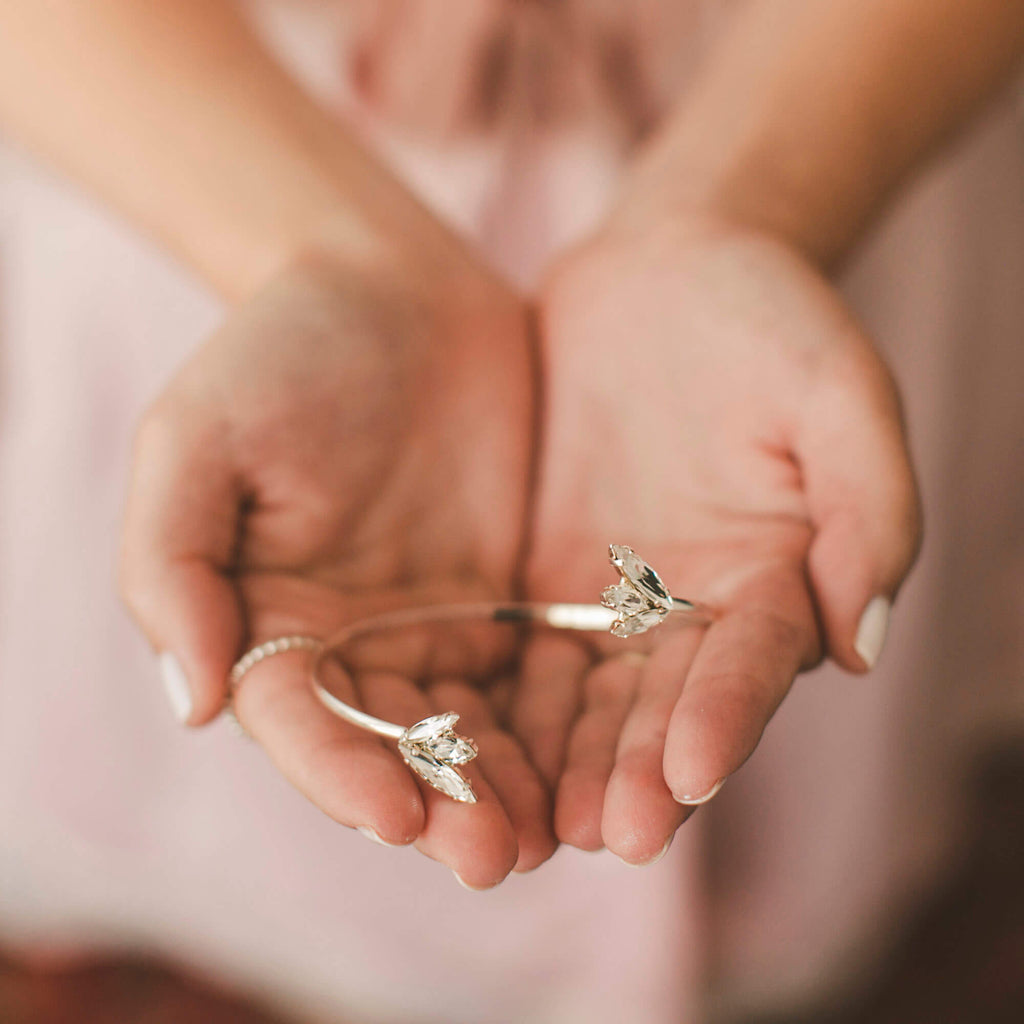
pixel 253 657
pixel 590 618
pixel 431 748
pixel 267 650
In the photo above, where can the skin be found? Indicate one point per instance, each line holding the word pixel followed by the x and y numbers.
pixel 312 457
pixel 757 460
pixel 318 478
pixel 711 400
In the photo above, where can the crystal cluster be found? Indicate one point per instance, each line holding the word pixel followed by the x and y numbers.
pixel 640 599
pixel 432 749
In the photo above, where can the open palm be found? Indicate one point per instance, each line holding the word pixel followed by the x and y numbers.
pixel 350 442
pixel 711 402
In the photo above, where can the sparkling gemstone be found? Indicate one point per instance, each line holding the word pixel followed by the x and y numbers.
pixel 624 600
pixel 632 625
pixel 451 749
pixel 637 572
pixel 433 726
pixel 441 776
pixel 618 553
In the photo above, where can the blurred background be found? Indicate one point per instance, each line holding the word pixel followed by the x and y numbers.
pixel 865 867
pixel 959 960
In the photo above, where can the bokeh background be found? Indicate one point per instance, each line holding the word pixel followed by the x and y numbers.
pixel 864 866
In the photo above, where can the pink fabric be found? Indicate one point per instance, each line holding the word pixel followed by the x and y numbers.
pixel 118 828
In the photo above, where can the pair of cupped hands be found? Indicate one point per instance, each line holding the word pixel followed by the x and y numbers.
pixel 397 427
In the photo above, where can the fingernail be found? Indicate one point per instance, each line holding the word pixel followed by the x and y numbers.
pixel 374 836
pixel 871 630
pixel 466 885
pixel 176 685
pixel 703 798
pixel 654 860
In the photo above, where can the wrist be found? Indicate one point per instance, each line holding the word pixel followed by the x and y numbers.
pixel 339 220
pixel 238 255
pixel 763 186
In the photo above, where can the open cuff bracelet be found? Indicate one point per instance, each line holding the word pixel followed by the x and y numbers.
pixel 432 748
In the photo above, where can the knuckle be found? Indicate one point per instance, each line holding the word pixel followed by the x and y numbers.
pixel 787 635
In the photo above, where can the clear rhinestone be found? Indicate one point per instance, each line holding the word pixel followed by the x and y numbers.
pixel 624 628
pixel 618 553
pixel 433 726
pixel 624 600
pixel 632 625
pixel 636 571
pixel 442 777
pixel 451 749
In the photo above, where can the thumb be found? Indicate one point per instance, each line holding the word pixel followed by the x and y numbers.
pixel 863 501
pixel 179 540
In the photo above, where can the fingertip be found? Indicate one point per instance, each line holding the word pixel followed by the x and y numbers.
pixel 180 532
pixel 854 609
pixel 694 800
pixel 375 837
pixel 469 887
pixel 485 863
pixel 872 630
pixel 398 818
pixel 195 617
pixel 578 808
pixel 639 812
pixel 176 686
pixel 477 841
pixel 710 737
pixel 636 859
pixel 539 850
pixel 397 826
pixel 866 510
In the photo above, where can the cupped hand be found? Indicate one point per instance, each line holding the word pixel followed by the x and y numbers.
pixel 356 438
pixel 711 402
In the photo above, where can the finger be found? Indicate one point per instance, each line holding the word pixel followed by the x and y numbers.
pixel 745 665
pixel 863 501
pixel 608 694
pixel 640 814
pixel 505 766
pixel 477 841
pixel 349 773
pixel 547 700
pixel 180 533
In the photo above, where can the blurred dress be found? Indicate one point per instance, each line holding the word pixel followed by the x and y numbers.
pixel 119 829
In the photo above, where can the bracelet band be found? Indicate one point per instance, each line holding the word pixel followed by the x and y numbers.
pixel 431 748
pixel 257 654
pixel 590 618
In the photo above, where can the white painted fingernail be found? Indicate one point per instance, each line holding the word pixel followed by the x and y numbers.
pixel 871 630
pixel 654 860
pixel 374 836
pixel 703 798
pixel 176 685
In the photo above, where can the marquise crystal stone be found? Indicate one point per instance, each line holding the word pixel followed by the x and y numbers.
pixel 441 776
pixel 436 725
pixel 453 750
pixel 637 573
pixel 631 625
pixel 432 749
pixel 640 599
pixel 624 600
